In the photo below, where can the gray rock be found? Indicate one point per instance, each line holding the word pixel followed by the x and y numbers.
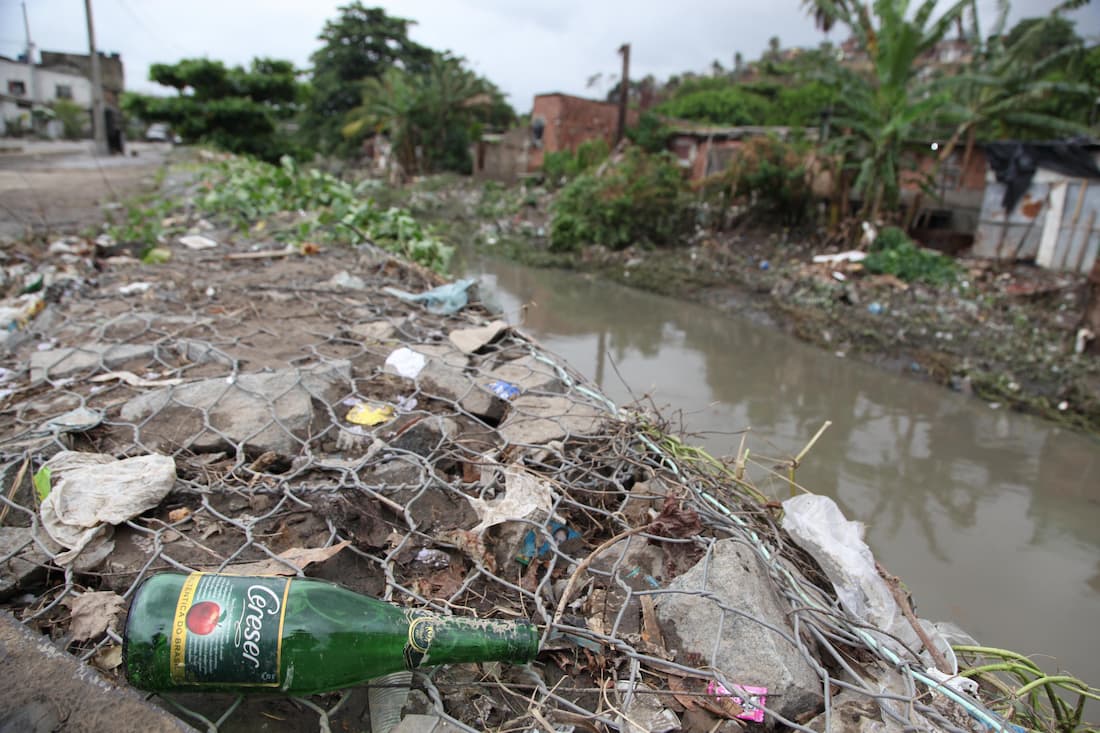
pixel 372 331
pixel 745 651
pixel 534 419
pixel 200 352
pixel 444 376
pixel 61 363
pixel 26 560
pixel 263 412
pixel 529 374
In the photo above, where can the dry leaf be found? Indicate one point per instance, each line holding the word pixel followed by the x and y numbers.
pixel 675 520
pixel 178 515
pixel 93 613
pixel 108 658
pixel 299 557
pixel 682 692
pixel 134 380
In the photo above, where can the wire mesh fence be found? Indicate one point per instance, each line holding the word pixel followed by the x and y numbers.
pixel 494 482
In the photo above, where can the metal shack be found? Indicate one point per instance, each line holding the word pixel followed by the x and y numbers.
pixel 1041 204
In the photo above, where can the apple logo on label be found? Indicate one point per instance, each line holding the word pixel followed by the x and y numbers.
pixel 203 617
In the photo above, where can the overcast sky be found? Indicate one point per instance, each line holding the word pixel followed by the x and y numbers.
pixel 524 47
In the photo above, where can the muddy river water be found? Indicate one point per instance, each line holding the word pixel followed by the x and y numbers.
pixel 991 518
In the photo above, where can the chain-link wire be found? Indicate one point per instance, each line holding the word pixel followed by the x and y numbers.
pixel 244 374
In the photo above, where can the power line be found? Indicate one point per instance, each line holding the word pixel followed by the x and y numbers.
pixel 141 24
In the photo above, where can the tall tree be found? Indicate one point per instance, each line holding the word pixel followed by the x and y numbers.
pixel 360 44
pixel 238 109
pixel 430 115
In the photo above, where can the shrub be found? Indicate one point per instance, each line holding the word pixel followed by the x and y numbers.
pixel 729 106
pixel 640 199
pixel 567 165
pixel 770 175
pixel 893 253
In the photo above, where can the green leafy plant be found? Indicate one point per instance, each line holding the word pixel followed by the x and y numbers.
pixel 325 208
pixel 770 175
pixel 565 165
pixel 639 199
pixel 41 483
pixel 893 253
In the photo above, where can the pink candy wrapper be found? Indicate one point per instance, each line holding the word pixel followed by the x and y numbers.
pixel 753 700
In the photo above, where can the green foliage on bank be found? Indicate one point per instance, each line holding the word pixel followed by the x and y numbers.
pixel 565 165
pixel 324 208
pixel 893 253
pixel 639 199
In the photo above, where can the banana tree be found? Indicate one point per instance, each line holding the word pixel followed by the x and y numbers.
pixel 888 105
pixel 1003 88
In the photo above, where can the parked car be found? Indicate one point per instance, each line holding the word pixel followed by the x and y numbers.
pixel 158 132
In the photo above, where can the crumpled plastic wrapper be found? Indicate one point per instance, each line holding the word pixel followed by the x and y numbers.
pixel 92 492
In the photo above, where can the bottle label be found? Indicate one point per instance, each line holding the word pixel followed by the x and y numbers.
pixel 421 634
pixel 229 630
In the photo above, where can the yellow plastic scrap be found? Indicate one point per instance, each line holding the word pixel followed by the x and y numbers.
pixel 364 414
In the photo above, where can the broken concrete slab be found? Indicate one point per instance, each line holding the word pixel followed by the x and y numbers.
pixel 443 380
pixel 469 340
pixel 747 651
pixel 534 419
pixel 51 690
pixel 529 374
pixel 62 363
pixel 262 412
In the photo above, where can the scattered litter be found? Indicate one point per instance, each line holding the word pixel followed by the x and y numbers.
pixel 134 380
pixel 750 699
pixel 503 390
pixel 560 533
pixel 435 559
pixel 406 363
pixel 197 242
pixel 964 685
pixel 817 525
pixel 365 414
pixel 135 288
pixel 178 515
pixel 1082 339
pixel 445 300
pixel 525 497
pixel 874 308
pixel 406 403
pixel 643 712
pixel 347 281
pixel 298 557
pixel 93 613
pixel 469 340
pixel 852 255
pixel 764 265
pixel 839 276
pixel 91 491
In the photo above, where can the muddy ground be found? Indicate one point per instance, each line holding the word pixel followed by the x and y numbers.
pixel 1006 333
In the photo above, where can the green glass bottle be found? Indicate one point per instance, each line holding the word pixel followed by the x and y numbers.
pixel 298 635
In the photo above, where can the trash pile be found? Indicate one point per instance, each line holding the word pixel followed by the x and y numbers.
pixel 351 417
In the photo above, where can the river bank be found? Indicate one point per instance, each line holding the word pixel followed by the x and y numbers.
pixel 317 412
pixel 1007 335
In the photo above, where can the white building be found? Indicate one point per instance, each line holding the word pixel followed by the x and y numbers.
pixel 25 88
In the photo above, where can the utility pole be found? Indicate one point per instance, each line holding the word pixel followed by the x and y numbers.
pixel 33 86
pixel 624 92
pixel 98 118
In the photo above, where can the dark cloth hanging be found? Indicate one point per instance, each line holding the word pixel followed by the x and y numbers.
pixel 1014 163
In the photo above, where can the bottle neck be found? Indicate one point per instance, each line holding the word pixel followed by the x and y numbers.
pixel 447 640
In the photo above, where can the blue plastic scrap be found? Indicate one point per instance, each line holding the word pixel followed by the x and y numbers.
pixel 561 534
pixel 446 300
pixel 503 390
